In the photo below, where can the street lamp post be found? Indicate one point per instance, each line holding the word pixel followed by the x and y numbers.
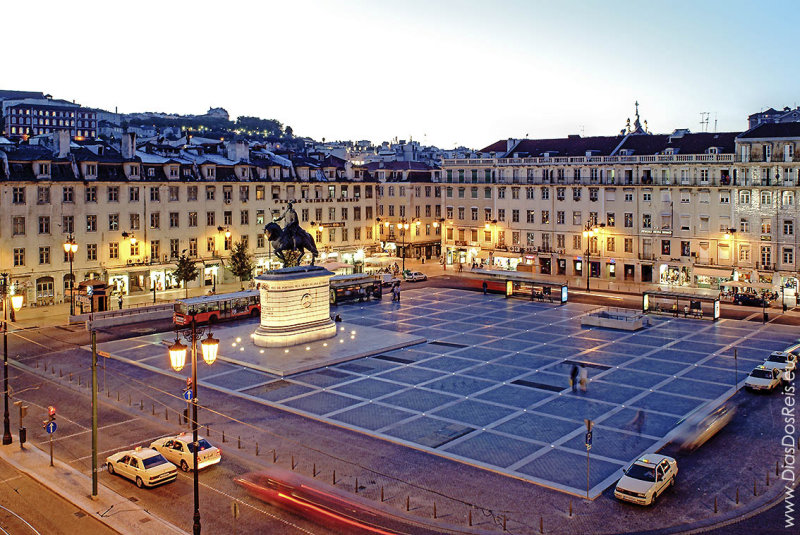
pixel 16 303
pixel 177 357
pixel 403 226
pixel 589 232
pixel 70 247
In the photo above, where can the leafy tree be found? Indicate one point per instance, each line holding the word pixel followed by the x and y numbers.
pixel 241 263
pixel 185 271
pixel 289 131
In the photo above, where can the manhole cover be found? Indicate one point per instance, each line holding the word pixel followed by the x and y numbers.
pixel 80 514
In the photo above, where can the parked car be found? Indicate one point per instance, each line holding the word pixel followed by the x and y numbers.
pixel 415 276
pixel 646 479
pixel 145 466
pixel 697 428
pixel 785 361
pixel 178 450
pixel 763 378
pixel 751 300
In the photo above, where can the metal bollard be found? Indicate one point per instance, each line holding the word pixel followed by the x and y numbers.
pixel 274 456
pixel 334 477
pixel 570 508
pixel 292 462
pixel 381 493
pixel 141 404
pixel 768 479
pixel 715 504
pixel 70 377
pixel 117 395
pixel 130 402
pixel 166 414
pixel 239 442
pixel 60 373
pixel 356 485
pixel 314 470
pixel 154 409
pixel 541 524
pixel 223 435
pixel 408 503
pixel 737 495
pixel 504 523
pixel 469 518
pixel 776 468
pixel 256 449
pixel 755 489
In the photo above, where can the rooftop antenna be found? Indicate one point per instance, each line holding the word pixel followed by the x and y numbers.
pixel 704 115
pixel 715 122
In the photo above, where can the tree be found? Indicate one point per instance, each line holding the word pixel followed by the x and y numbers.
pixel 289 131
pixel 241 263
pixel 185 271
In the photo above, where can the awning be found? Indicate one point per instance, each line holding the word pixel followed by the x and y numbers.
pixel 745 284
pixel 506 254
pixel 713 271
pixel 483 255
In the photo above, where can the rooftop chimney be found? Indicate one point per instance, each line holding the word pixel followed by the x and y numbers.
pixel 128 145
pixel 61 143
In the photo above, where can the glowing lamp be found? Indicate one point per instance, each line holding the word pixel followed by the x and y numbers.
pixel 177 355
pixel 16 302
pixel 210 346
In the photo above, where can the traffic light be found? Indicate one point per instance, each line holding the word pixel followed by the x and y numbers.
pixel 51 413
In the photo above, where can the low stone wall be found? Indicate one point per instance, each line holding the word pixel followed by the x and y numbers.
pixel 126 316
pixel 612 319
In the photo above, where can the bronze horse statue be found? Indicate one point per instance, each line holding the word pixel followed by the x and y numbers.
pixel 290 239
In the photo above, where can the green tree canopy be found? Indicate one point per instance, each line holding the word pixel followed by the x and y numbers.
pixel 241 262
pixel 185 271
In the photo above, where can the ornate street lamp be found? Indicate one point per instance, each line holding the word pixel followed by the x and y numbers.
pixel 589 232
pixel 70 247
pixel 16 304
pixel 177 359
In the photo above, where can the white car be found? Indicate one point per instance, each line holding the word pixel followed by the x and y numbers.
pixel 763 378
pixel 178 450
pixel 145 466
pixel 785 361
pixel 696 429
pixel 646 478
pixel 415 276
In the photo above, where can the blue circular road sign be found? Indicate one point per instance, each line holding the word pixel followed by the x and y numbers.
pixel 51 427
pixel 187 395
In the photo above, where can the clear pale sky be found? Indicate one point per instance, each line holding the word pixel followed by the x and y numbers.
pixel 440 72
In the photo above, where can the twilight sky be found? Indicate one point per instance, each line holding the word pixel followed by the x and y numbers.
pixel 440 72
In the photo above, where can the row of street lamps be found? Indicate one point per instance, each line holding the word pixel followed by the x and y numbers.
pixel 16 304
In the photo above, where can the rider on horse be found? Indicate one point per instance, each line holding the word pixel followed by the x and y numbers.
pixel 292 227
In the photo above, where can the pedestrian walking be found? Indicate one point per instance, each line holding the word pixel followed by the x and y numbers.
pixel 485 287
pixel 573 378
pixel 638 421
pixel 397 289
pixel 583 373
pixel 119 300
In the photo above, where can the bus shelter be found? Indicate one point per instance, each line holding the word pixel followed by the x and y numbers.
pixel 680 303
pixel 513 284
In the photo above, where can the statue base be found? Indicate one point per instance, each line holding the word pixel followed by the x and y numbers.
pixel 295 307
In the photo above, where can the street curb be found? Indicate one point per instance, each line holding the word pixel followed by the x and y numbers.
pixel 64 481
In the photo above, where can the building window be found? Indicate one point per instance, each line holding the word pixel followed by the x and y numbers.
pixel 788 227
pixel 133 194
pixel 91 252
pixel 155 220
pixel 44 255
pixel 134 221
pixel 577 218
pixel 629 245
pixel 19 257
pixel 211 193
pixel 67 194
pixel 766 198
pixel 68 224
pixel 91 223
pixel 530 216
pixel 515 216
pixel 576 194
pixel 545 217
pixel 191 193
pixel 576 242
pixel 744 253
pixel 135 249
pixel 560 217
pixel 766 226
pixel 210 219
pixel 113 194
pixel 43 195
pixel 174 194
pixel 44 225
pixel 113 250
pixel 647 221
pixel 174 219
pixel 788 255
pixel 610 244
pixel 113 221
pixel 91 194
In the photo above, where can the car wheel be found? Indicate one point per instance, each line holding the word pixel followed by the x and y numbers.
pixel 111 469
pixel 184 466
pixel 139 482
pixel 672 482
pixel 653 499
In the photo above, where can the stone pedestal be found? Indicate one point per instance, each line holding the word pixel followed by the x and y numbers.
pixel 295 307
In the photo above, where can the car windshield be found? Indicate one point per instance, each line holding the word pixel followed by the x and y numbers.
pixel 203 443
pixel 761 374
pixel 777 358
pixel 645 473
pixel 155 460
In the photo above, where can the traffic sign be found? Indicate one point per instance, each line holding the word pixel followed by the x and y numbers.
pixel 588 440
pixel 187 395
pixel 51 427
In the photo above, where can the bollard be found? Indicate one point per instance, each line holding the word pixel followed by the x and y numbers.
pixel 356 485
pixel 166 414
pixel 79 379
pixel 45 367
pixel 256 449
pixel 108 393
pixel 141 404
pixel 314 470
pixel 274 456
pixel 434 509
pixel 70 380
pixel 776 468
pixel 408 503
pixel 381 493
pixel 504 523
pixel 154 410
pixel 117 395
pixel 129 396
pixel 768 479
pixel 208 430
pixel 737 495
pixel 334 477
pixel 755 490
pixel 239 442
pixel 223 435
pixel 60 372
pixel 541 524
pixel 292 462
pixel 469 518
pixel 570 508
pixel 715 504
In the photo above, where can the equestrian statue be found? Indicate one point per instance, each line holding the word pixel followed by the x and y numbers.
pixel 291 242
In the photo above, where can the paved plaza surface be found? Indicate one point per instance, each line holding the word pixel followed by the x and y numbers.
pixel 490 384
